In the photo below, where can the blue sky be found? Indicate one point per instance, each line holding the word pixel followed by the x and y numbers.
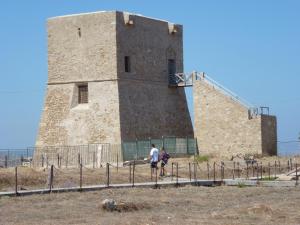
pixel 251 47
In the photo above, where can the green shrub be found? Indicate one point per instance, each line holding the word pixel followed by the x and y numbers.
pixel 241 185
pixel 201 158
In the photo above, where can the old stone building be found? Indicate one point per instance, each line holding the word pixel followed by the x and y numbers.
pixel 115 76
pixel 108 80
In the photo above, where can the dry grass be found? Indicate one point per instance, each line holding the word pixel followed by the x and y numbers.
pixel 187 205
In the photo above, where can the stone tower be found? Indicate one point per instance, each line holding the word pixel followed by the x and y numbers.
pixel 108 80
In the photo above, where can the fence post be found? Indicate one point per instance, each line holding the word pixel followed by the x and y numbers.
pixel 257 173
pixel 177 175
pixel 187 145
pixel 275 169
pixel 238 165
pixel 133 169
pixel 58 160
pixel 172 172
pixel 107 174
pixel 42 160
pixel 51 179
pixel 207 164
pixel 156 177
pixel 130 173
pixel 117 162
pixel 252 169
pixel 222 171
pixel 233 171
pixel 279 167
pixel 78 159
pixel 16 180
pixel 80 180
pixel 269 171
pixel 261 171
pixel 291 164
pixel 94 159
pixel 247 168
pixel 6 161
pixel 214 171
pixel 190 172
pixel 296 174
pixel 288 165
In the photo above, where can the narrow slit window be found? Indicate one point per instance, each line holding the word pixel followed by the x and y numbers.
pixel 127 64
pixel 83 94
pixel 172 71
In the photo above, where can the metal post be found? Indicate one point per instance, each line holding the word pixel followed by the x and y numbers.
pixel 257 173
pixel 94 159
pixel 130 173
pixel 133 169
pixel 80 180
pixel 207 164
pixel 190 172
pixel 42 160
pixel 107 175
pixel 279 167
pixel 238 169
pixel 214 171
pixel 297 174
pixel 58 160
pixel 291 164
pixel 261 171
pixel 117 162
pixel 78 159
pixel 221 171
pixel 252 169
pixel 247 168
pixel 6 161
pixel 275 169
pixel 156 177
pixel 233 171
pixel 288 165
pixel 16 180
pixel 51 178
pixel 269 171
pixel 177 175
pixel 172 172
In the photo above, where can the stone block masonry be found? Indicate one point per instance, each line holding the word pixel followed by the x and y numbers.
pixel 223 127
pixel 121 61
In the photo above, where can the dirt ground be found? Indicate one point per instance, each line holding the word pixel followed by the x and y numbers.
pixel 184 205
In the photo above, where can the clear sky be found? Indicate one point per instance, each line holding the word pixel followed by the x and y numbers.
pixel 251 47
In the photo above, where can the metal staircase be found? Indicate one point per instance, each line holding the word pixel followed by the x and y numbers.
pixel 187 80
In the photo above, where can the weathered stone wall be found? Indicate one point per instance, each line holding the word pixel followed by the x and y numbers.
pixel 148 107
pixel 81 56
pixel 222 126
pixel 90 49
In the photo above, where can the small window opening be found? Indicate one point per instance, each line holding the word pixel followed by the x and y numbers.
pixel 172 71
pixel 83 94
pixel 127 64
pixel 79 32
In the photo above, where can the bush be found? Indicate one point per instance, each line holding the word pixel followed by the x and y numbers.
pixel 201 158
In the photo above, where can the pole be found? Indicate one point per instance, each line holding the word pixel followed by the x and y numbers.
pixel 107 174
pixel 296 174
pixel 51 178
pixel 78 159
pixel 156 177
pixel 80 180
pixel 130 173
pixel 6 161
pixel 177 175
pixel 257 173
pixel 133 170
pixel 16 180
pixel 261 171
pixel 117 162
pixel 214 171
pixel 269 171
pixel 207 164
pixel 247 168
pixel 238 164
pixel 275 169
pixel 172 172
pixel 94 159
pixel 190 172
pixel 233 171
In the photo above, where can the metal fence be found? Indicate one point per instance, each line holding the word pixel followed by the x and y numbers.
pixel 139 149
pixel 14 157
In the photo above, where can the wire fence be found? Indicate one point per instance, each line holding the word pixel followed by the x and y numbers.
pixel 24 178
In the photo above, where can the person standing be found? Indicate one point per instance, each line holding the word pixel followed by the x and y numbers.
pixel 164 157
pixel 153 158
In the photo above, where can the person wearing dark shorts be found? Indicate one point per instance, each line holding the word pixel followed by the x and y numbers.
pixel 154 155
pixel 164 157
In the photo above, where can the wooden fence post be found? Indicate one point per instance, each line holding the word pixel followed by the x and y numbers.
pixel 247 168
pixel 190 172
pixel 195 173
pixel 261 171
pixel 172 172
pixel 238 165
pixel 16 180
pixel 130 173
pixel 94 159
pixel 269 171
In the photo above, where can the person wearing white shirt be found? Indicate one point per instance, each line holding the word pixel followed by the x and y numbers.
pixel 153 158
